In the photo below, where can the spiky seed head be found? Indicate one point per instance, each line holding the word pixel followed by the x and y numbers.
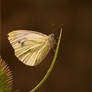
pixel 6 78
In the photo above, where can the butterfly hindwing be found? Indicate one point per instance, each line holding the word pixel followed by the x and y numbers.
pixel 42 53
pixel 30 47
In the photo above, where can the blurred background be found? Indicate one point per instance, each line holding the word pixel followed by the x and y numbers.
pixel 73 69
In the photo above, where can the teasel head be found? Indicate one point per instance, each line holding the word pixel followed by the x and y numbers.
pixel 6 78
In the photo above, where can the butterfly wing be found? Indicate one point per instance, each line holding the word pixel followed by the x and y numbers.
pixel 42 53
pixel 37 56
pixel 27 45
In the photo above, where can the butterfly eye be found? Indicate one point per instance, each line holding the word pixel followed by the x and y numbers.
pixel 51 36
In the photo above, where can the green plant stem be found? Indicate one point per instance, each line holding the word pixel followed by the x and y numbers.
pixel 51 66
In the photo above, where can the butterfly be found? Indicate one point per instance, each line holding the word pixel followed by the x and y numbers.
pixel 31 47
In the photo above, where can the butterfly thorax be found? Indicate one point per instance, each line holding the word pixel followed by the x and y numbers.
pixel 51 40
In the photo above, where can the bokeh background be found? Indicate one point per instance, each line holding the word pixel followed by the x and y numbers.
pixel 73 69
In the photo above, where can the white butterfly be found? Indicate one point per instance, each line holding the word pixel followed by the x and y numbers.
pixel 31 47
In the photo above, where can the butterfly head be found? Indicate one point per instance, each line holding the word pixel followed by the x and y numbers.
pixel 51 39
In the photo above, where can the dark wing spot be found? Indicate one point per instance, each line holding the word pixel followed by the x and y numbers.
pixel 20 42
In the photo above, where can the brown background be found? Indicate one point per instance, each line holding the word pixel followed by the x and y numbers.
pixel 73 69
